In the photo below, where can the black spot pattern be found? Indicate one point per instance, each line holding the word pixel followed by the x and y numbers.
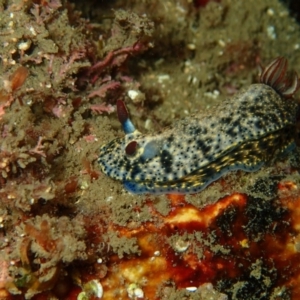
pixel 166 161
pixel 242 133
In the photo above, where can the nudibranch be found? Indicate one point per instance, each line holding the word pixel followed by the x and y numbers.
pixel 242 133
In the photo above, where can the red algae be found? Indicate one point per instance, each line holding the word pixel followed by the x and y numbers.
pixel 18 78
pixel 202 3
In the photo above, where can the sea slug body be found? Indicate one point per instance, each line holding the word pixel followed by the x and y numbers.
pixel 242 133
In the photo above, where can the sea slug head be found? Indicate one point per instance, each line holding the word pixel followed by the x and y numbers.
pixel 125 157
pixel 275 76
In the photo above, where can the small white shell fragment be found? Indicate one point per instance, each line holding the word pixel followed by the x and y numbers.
pixel 136 96
pixel 84 185
pixel 213 95
pixel 221 43
pixel 132 94
pixel 270 12
pixel 134 291
pixel 271 32
pixel 181 245
pixel 24 45
pixel 191 46
pixel 97 288
pixel 92 288
pixel 109 198
pixel 148 124
pixel 191 288
pixel 32 30
pixel 161 78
